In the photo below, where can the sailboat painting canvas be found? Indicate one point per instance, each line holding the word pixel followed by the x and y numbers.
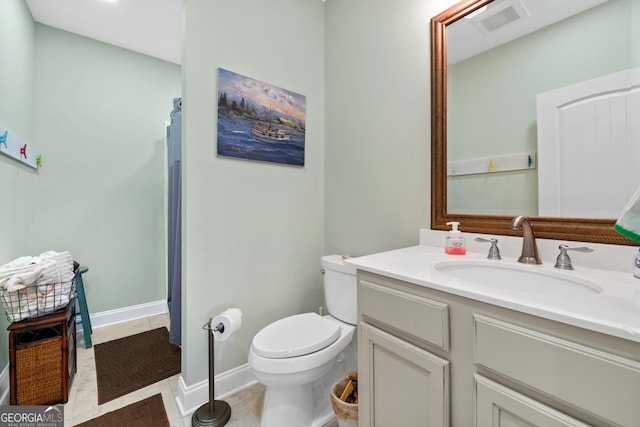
pixel 259 121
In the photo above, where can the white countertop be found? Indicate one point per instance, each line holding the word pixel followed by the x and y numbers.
pixel 615 311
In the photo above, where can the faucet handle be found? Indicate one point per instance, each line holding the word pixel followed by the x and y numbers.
pixel 494 252
pixel 563 261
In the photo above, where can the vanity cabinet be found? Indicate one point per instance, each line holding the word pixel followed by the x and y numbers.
pixel 428 357
pixel 411 384
pixel 400 382
pixel 497 405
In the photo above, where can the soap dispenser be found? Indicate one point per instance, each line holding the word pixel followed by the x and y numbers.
pixel 454 244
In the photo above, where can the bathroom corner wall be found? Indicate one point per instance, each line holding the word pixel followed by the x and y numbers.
pixel 16 114
pixel 100 114
pixel 378 123
pixel 252 232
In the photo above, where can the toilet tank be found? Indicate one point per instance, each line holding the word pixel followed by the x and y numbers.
pixel 340 288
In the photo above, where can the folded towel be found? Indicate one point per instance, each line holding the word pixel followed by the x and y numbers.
pixel 64 262
pixel 629 222
pixel 35 286
pixel 44 272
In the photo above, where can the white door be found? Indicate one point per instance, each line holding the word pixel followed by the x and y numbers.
pixel 589 146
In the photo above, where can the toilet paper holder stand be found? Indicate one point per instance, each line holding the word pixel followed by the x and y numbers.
pixel 214 412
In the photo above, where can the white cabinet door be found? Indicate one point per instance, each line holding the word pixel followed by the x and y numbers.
pixel 499 406
pixel 400 384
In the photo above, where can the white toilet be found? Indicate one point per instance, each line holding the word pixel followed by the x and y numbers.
pixel 300 357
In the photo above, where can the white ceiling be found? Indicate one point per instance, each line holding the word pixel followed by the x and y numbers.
pixel 150 27
pixel 153 27
pixel 464 39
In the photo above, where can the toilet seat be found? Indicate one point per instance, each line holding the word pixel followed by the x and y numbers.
pixel 294 336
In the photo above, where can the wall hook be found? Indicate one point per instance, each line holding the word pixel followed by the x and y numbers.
pixel 11 145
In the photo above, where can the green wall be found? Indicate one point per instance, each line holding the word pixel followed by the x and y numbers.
pixel 634 18
pixel 100 114
pixel 252 232
pixel 16 114
pixel 97 114
pixel 377 123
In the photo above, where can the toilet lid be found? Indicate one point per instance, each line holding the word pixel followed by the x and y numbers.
pixel 295 336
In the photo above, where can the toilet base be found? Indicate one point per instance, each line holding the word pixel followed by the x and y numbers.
pixel 287 406
pixel 307 405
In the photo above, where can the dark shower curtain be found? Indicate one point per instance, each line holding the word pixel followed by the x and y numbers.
pixel 174 261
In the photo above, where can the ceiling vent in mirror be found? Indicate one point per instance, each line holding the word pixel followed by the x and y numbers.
pixel 500 15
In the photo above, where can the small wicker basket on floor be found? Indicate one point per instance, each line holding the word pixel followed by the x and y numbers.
pixel 346 413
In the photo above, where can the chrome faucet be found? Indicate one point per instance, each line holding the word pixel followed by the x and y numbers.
pixel 494 252
pixel 529 248
pixel 563 261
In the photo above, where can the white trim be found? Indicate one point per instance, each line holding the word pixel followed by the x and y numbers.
pixel 111 317
pixel 190 398
pixel 5 386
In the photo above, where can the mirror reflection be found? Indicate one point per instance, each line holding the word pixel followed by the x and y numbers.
pixel 543 109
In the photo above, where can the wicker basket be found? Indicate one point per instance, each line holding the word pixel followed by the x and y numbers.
pixel 37 300
pixel 42 358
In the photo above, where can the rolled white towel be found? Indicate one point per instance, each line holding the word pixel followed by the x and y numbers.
pixel 45 272
pixel 22 280
pixel 20 265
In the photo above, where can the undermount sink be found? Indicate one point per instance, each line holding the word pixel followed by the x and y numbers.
pixel 524 278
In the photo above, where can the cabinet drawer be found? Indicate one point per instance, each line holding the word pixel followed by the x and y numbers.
pixel 603 384
pixel 420 317
pixel 496 405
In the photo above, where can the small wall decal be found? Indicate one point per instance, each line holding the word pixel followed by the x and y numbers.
pixel 259 121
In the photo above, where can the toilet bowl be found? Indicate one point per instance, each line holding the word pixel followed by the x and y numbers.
pixel 300 357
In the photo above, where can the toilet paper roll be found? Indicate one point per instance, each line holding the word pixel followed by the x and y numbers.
pixel 230 319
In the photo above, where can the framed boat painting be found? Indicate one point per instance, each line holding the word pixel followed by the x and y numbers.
pixel 259 121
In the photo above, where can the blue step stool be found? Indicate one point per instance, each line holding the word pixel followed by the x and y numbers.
pixel 82 304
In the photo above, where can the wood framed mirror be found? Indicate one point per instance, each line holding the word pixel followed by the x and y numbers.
pixel 596 230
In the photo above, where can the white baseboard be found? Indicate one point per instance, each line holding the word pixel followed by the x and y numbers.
pixel 110 317
pixel 190 398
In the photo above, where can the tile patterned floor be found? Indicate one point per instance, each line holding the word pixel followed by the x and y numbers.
pixel 83 405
